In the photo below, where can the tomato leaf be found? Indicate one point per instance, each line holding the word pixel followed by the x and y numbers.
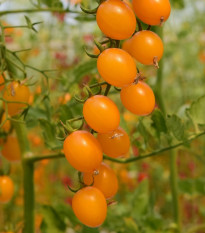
pixel 159 122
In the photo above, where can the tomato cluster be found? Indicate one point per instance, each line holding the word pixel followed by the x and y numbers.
pixel 117 67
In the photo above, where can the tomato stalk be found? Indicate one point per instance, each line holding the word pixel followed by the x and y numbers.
pixel 28 177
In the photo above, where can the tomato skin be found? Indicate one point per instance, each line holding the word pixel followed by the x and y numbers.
pixel 116 19
pixel 101 114
pixel 16 92
pixel 89 206
pixel 11 149
pixel 1 81
pixel 7 125
pixel 145 46
pixel 7 189
pixel 138 98
pixel 151 11
pixel 106 180
pixel 116 67
pixel 83 151
pixel 114 144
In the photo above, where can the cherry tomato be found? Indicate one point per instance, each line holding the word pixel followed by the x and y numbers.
pixel 116 67
pixel 16 92
pixel 7 125
pixel 116 19
pixel 89 206
pixel 152 12
pixel 138 98
pixel 101 114
pixel 105 180
pixel 83 151
pixel 146 47
pixel 1 82
pixel 114 144
pixel 11 150
pixel 6 189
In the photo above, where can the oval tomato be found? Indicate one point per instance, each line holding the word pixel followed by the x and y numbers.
pixel 89 206
pixel 7 125
pixel 105 180
pixel 101 114
pixel 11 149
pixel 116 67
pixel 83 151
pixel 152 12
pixel 16 92
pixel 138 98
pixel 114 144
pixel 146 47
pixel 116 19
pixel 6 189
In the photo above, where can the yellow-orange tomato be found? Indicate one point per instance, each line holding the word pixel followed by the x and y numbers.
pixel 152 12
pixel 6 189
pixel 89 206
pixel 16 92
pixel 127 45
pixel 138 98
pixel 83 151
pixel 105 180
pixel 146 47
pixel 11 150
pixel 114 144
pixel 101 114
pixel 1 82
pixel 116 67
pixel 7 125
pixel 128 3
pixel 116 19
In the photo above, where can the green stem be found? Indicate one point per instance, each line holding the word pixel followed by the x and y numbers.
pixel 107 89
pixel 28 174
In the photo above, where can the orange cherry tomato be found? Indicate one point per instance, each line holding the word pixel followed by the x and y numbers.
pixel 83 151
pixel 16 92
pixel 1 82
pixel 101 114
pixel 89 206
pixel 6 189
pixel 116 19
pixel 11 149
pixel 7 125
pixel 146 47
pixel 138 98
pixel 152 12
pixel 116 67
pixel 105 180
pixel 127 45
pixel 114 144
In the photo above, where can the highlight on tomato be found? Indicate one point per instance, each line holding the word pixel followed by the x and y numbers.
pixel 83 151
pixel 16 92
pixel 116 19
pixel 104 179
pixel 152 12
pixel 138 98
pixel 116 67
pixel 114 144
pixel 89 206
pixel 101 114
pixel 6 189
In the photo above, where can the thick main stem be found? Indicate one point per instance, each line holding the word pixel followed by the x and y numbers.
pixel 28 182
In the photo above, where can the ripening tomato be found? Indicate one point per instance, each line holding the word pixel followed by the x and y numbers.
pixel 83 151
pixel 116 67
pixel 152 12
pixel 7 125
pixel 116 19
pixel 11 149
pixel 1 83
pixel 16 92
pixel 138 98
pixel 101 114
pixel 89 206
pixel 6 189
pixel 114 144
pixel 146 47
pixel 105 180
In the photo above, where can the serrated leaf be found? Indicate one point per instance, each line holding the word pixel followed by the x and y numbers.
pixel 159 122
pixel 197 111
pixel 143 131
pixel 176 126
